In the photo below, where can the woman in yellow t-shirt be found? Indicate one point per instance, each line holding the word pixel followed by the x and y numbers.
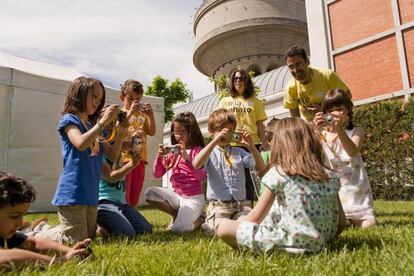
pixel 249 112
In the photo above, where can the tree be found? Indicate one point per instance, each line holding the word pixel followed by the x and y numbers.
pixel 172 92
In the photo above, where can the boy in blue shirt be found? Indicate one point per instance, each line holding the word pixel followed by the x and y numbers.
pixel 225 165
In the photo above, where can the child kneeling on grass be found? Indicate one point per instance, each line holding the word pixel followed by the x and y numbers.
pixel 185 202
pixel 17 248
pixel 299 209
pixel 115 216
pixel 226 189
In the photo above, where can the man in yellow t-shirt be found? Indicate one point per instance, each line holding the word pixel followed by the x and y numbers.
pixel 306 90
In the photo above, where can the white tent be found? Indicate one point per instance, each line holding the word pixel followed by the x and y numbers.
pixel 31 98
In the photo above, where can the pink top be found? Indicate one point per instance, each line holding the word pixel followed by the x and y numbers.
pixel 185 179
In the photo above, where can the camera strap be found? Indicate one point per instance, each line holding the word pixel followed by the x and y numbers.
pixel 229 157
pixel 109 138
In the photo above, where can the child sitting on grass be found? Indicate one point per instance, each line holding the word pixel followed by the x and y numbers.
pixel 17 248
pixel 226 189
pixel 299 209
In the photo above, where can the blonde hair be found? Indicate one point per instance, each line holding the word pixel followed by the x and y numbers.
pixel 297 151
pixel 219 118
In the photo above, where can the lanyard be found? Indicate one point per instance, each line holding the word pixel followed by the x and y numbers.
pixel 229 157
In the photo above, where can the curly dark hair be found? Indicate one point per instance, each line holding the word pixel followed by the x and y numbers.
pixel 248 84
pixel 14 190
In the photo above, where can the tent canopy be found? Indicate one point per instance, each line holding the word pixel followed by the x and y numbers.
pixel 32 95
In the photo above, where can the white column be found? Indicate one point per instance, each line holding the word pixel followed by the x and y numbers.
pixel 319 36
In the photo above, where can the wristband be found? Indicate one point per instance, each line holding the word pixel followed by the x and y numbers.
pixel 101 128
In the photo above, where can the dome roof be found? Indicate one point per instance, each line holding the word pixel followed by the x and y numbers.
pixel 269 83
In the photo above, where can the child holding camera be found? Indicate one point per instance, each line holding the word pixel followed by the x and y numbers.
pixel 141 118
pixel 225 165
pixel 343 142
pixel 185 203
pixel 115 217
pixel 17 248
pixel 76 196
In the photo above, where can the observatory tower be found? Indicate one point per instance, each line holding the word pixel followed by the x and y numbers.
pixel 252 34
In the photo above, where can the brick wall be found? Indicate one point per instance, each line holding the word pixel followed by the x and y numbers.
pixel 372 69
pixel 406 10
pixel 353 20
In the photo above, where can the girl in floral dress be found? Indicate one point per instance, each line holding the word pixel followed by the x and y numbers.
pixel 299 209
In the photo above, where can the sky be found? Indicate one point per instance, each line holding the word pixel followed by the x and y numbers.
pixel 112 40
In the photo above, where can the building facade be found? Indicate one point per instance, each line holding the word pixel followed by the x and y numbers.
pixel 370 44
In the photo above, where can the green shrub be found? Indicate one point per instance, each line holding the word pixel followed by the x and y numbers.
pixel 388 151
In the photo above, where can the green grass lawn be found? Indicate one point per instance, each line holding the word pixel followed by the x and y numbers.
pixel 385 249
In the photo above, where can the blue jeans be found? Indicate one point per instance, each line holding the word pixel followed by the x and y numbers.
pixel 121 219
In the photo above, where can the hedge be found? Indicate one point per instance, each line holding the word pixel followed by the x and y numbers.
pixel 389 149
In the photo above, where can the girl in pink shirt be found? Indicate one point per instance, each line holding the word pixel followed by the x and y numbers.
pixel 185 203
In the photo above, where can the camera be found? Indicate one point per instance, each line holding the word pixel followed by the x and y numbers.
pixel 141 107
pixel 172 149
pixel 329 119
pixel 136 144
pixel 235 136
pixel 121 116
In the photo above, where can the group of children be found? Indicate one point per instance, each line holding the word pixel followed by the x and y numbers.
pixel 311 171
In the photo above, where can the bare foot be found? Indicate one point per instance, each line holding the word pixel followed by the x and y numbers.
pixel 37 222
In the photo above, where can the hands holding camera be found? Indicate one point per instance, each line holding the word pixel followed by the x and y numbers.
pixel 230 136
pixel 136 107
pixel 163 150
pixel 178 149
pixel 110 114
pixel 334 120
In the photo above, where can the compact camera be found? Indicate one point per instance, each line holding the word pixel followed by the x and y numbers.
pixel 329 119
pixel 235 137
pixel 121 116
pixel 172 149
pixel 136 144
pixel 141 107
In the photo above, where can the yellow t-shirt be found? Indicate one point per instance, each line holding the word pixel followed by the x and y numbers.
pixel 248 112
pixel 138 122
pixel 304 95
